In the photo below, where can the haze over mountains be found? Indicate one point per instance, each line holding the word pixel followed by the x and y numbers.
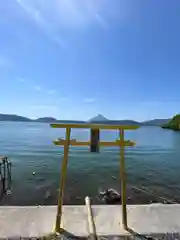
pixel 97 119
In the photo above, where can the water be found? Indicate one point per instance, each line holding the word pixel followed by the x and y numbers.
pixel 153 164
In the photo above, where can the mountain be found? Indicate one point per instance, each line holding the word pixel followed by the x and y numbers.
pixel 103 120
pixel 173 124
pixel 98 118
pixel 14 118
pixel 156 122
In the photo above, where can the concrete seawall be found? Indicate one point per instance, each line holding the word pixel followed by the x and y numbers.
pixel 153 219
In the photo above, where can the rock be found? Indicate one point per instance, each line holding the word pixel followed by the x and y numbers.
pixel 8 192
pixel 48 194
pixel 110 196
pixel 113 177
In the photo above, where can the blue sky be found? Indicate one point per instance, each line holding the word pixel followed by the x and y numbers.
pixel 73 59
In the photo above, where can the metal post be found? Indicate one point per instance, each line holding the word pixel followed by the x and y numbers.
pixel 94 140
pixel 123 179
pixel 4 176
pixel 62 180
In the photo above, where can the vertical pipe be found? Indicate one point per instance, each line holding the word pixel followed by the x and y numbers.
pixel 91 223
pixel 123 179
pixel 1 179
pixel 62 180
pixel 4 177
pixel 9 180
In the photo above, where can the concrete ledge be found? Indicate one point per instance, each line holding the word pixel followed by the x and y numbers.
pixel 26 221
pixel 153 219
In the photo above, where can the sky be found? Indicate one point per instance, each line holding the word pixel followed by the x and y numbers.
pixel 74 59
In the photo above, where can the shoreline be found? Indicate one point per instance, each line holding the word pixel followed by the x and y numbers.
pixel 135 196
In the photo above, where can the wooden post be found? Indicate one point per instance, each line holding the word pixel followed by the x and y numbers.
pixel 62 181
pixel 123 180
pixel 94 140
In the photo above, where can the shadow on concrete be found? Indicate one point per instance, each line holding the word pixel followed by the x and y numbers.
pixel 136 235
pixel 133 236
pixel 68 235
pixel 63 235
pixel 158 236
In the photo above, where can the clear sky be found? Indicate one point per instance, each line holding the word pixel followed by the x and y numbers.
pixel 73 59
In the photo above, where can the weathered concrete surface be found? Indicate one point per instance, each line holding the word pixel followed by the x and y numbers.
pixel 38 221
pixel 149 219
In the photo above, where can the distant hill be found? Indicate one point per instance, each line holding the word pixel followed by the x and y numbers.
pixel 126 122
pixel 173 124
pixel 71 121
pixel 97 119
pixel 155 122
pixel 51 120
pixel 46 119
pixel 14 118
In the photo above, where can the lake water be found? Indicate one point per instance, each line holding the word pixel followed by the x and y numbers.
pixel 153 164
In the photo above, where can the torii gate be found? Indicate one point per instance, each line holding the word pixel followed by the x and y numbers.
pixel 93 143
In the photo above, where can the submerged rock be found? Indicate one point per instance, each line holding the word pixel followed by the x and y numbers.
pixel 114 178
pixel 110 196
pixel 9 192
pixel 48 194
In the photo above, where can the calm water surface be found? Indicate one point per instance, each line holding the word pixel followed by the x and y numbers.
pixel 153 164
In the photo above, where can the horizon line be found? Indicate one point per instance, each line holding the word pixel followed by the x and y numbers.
pixel 91 119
